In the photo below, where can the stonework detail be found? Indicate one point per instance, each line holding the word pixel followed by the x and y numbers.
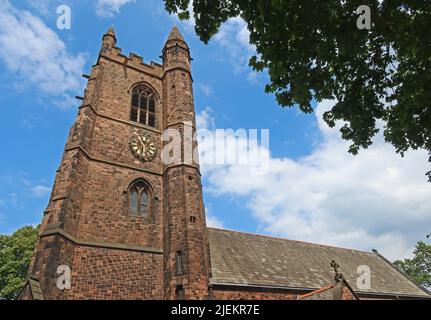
pixel 131 227
pixel 88 226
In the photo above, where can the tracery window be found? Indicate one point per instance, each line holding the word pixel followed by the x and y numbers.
pixel 143 108
pixel 139 196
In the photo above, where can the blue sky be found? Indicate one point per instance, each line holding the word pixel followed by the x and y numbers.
pixel 313 191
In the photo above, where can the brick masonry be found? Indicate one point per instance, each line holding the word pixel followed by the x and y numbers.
pixel 242 293
pixel 87 224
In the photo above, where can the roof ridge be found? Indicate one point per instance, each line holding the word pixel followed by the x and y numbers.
pixel 236 259
pixel 283 238
pixel 309 294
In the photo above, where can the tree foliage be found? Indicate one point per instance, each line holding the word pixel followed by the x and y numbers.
pixel 15 254
pixel 419 267
pixel 313 50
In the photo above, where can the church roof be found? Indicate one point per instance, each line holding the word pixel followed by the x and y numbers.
pixel 247 259
pixel 336 291
pixel 33 285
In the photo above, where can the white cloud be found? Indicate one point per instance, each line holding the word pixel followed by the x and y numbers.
pixel 374 200
pixel 214 222
pixel 42 6
pixel 189 24
pixel 40 191
pixel 206 89
pixel 48 8
pixel 204 120
pixel 109 8
pixel 13 198
pixel 233 39
pixel 35 55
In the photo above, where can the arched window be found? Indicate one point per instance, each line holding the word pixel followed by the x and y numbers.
pixel 143 106
pixel 139 199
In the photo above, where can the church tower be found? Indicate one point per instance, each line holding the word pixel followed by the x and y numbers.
pixel 186 260
pixel 121 223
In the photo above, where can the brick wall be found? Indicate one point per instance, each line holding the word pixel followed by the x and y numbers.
pixel 184 214
pixel 89 200
pixel 100 273
pixel 87 225
pixel 242 293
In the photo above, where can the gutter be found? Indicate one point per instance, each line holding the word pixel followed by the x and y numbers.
pixel 360 293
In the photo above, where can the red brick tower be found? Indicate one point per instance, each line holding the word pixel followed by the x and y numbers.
pixel 125 224
pixel 186 261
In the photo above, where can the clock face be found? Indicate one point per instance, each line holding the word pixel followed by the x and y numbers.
pixel 143 147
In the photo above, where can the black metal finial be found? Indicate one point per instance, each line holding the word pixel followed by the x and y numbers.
pixel 338 276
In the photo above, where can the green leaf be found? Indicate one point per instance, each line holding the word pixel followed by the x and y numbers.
pixel 15 253
pixel 313 50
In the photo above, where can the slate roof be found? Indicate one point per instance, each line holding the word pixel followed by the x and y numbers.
pixel 247 259
pixel 36 290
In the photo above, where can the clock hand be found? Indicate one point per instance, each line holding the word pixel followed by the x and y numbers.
pixel 143 145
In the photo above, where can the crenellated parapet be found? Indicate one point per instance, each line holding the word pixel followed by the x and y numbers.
pixel 112 53
pixel 127 226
